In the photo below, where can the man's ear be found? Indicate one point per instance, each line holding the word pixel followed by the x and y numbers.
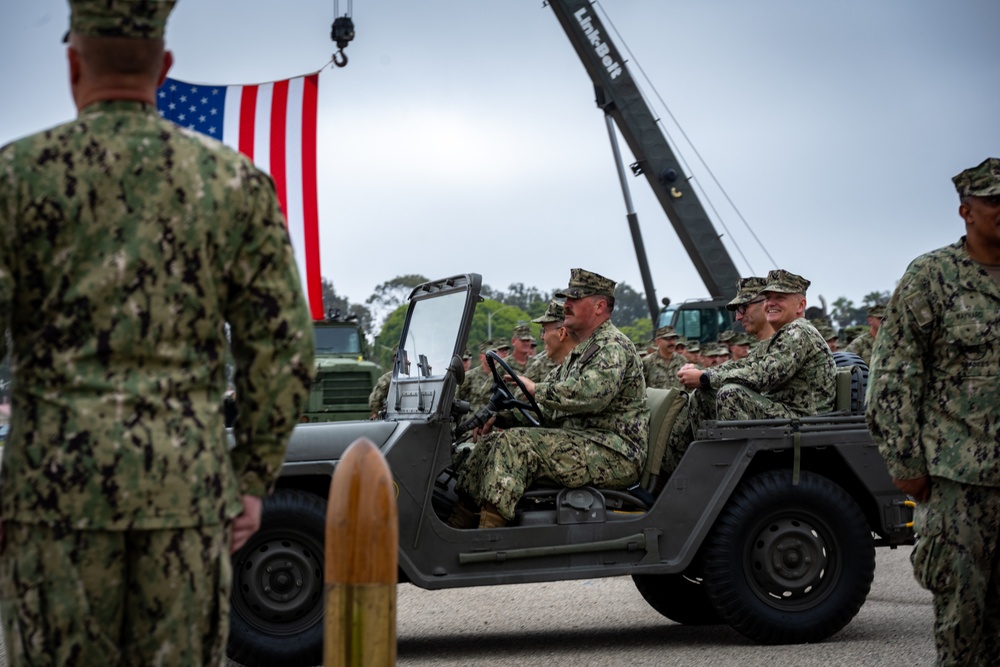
pixel 74 65
pixel 168 62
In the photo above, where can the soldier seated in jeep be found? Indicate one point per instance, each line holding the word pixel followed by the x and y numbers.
pixel 794 376
pixel 594 426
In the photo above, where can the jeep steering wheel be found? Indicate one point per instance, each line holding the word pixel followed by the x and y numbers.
pixel 507 394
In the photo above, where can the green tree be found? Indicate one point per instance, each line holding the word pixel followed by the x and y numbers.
pixel 873 298
pixel 333 302
pixel 498 319
pixel 392 294
pixel 843 312
pixel 629 305
pixel 388 338
pixel 639 332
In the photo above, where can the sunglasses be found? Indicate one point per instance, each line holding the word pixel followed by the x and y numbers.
pixel 742 309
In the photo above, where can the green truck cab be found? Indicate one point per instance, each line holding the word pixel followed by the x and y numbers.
pixel 344 376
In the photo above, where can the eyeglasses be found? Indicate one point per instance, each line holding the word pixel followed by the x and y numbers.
pixel 742 309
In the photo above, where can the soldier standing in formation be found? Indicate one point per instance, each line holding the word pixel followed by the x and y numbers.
pixel 521 347
pixel 660 368
pixel 932 409
pixel 863 344
pixel 596 421
pixel 126 246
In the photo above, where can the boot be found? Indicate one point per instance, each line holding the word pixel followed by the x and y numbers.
pixel 490 518
pixel 462 517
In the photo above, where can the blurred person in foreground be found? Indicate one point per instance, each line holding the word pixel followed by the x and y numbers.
pixel 127 245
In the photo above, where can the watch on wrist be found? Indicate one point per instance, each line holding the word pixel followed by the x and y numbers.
pixel 705 381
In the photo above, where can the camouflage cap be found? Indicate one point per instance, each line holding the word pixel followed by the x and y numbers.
pixel 136 19
pixel 878 310
pixel 748 289
pixel 715 350
pixel 824 329
pixel 554 313
pixel 981 181
pixel 500 344
pixel 726 337
pixel 693 346
pixel 466 354
pixel 785 282
pixel 743 339
pixel 665 332
pixel 683 342
pixel 586 283
pixel 523 332
pixel 484 346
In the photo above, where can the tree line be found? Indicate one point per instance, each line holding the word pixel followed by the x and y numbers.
pixel 383 313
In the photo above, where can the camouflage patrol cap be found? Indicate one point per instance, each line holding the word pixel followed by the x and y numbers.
pixel 523 332
pixel 824 329
pixel 878 310
pixel 683 342
pixel 785 282
pixel 466 354
pixel 748 289
pixel 981 181
pixel 743 339
pixel 554 313
pixel 665 332
pixel 693 346
pixel 586 283
pixel 715 350
pixel 136 19
pixel 484 346
pixel 500 344
pixel 727 337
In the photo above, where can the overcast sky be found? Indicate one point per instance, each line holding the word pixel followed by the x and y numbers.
pixel 463 137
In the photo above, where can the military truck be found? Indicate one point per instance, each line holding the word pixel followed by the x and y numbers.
pixel 768 526
pixel 344 376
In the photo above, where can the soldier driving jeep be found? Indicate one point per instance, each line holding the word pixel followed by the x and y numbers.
pixel 594 425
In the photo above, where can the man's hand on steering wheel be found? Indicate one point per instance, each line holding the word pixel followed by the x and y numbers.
pixel 507 397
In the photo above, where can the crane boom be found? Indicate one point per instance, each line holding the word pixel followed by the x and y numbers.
pixel 619 96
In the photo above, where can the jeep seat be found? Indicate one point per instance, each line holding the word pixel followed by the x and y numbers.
pixel 664 406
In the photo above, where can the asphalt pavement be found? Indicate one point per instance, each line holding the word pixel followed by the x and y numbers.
pixel 602 622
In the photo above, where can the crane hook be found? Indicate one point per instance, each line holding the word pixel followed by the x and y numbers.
pixel 342 32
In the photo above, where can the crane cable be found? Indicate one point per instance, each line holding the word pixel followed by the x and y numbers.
pixel 718 216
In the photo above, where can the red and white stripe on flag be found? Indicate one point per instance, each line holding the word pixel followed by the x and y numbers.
pixel 274 124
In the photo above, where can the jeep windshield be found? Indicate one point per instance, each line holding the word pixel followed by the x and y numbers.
pixel 337 340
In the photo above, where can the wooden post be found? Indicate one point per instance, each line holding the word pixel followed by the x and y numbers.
pixel 362 534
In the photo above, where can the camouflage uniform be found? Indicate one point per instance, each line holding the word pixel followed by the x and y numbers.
pixel 793 375
pixel 932 408
pixel 661 373
pixel 126 245
pixel 595 428
pixel 380 394
pixel 862 346
pixel 539 366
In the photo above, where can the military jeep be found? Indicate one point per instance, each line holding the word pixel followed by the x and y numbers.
pixel 768 526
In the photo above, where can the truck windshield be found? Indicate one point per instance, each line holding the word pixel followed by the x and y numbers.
pixel 337 340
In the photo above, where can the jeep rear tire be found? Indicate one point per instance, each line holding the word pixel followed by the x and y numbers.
pixel 789 564
pixel 682 598
pixel 276 615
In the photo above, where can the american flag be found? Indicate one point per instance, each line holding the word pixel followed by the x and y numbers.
pixel 274 124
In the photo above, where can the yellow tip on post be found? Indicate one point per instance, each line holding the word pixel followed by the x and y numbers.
pixel 362 536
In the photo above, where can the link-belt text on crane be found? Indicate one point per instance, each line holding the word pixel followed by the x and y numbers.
pixel 602 50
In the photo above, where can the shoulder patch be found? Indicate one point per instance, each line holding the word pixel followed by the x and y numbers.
pixel 919 308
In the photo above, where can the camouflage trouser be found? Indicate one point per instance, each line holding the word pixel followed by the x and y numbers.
pixel 730 402
pixel 736 402
pixel 503 464
pixel 135 598
pixel 957 559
